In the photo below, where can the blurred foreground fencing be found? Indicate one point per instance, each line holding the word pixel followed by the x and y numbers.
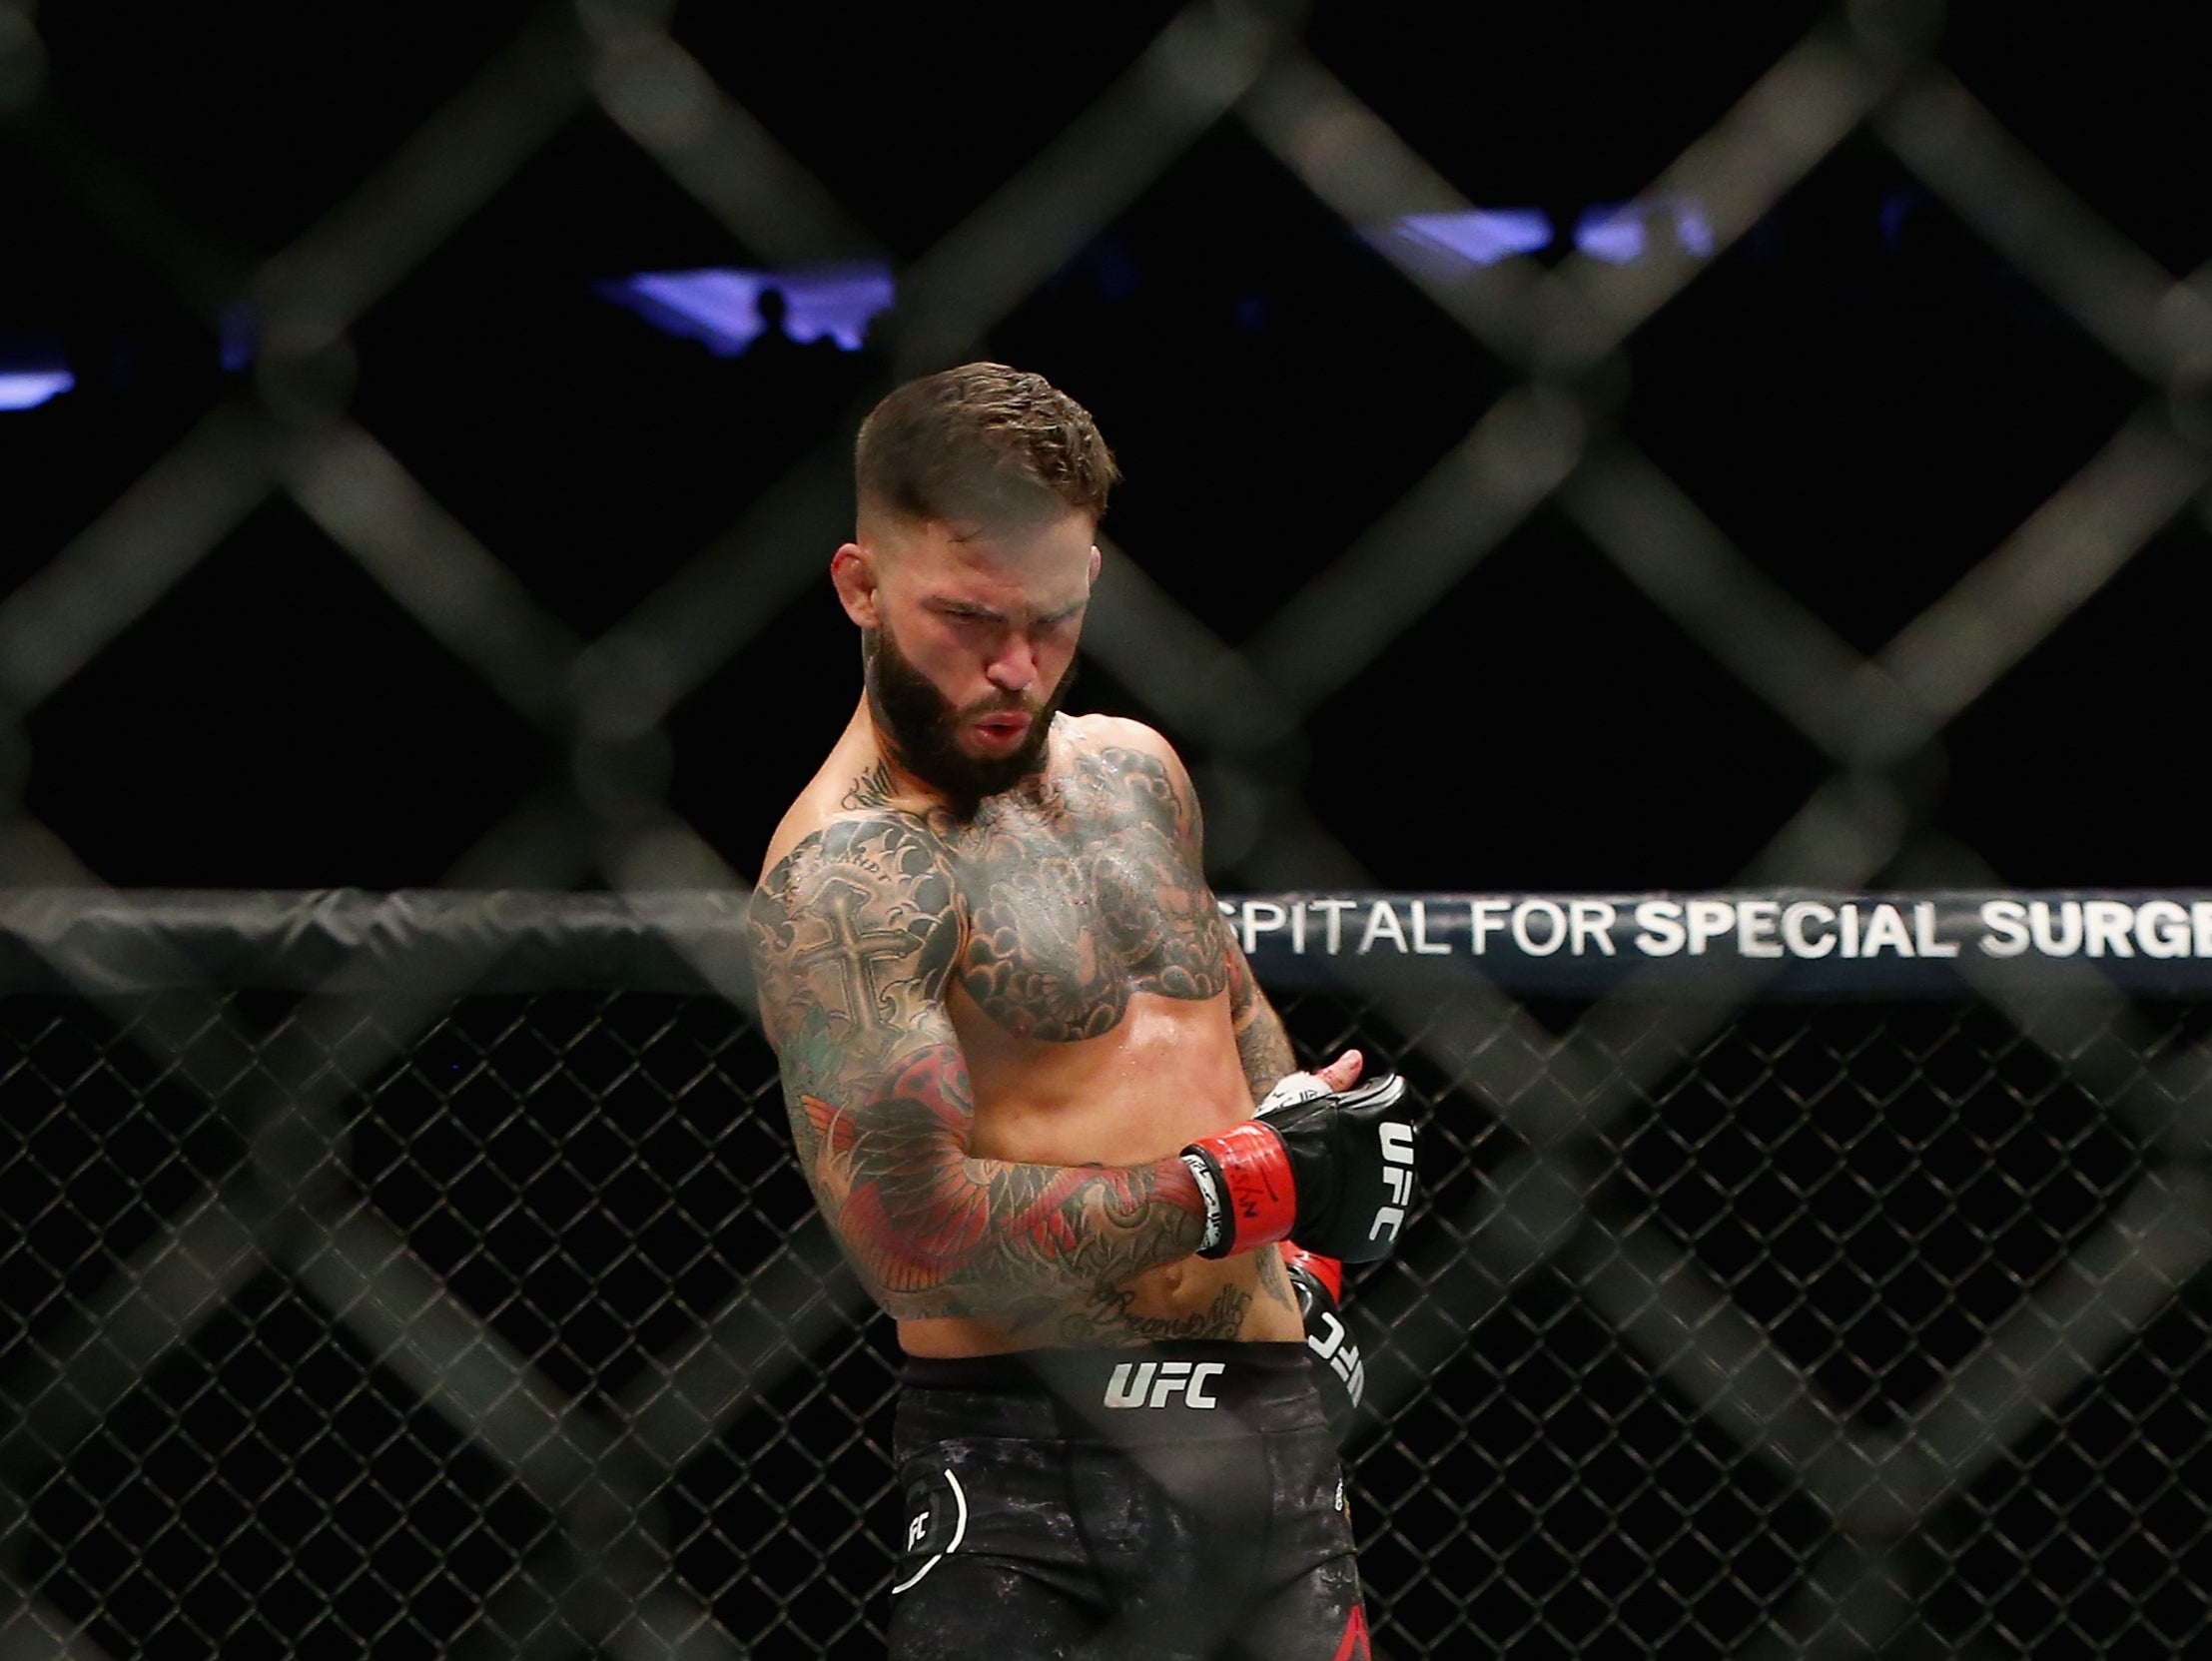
pixel 428 1277
pixel 1755 1319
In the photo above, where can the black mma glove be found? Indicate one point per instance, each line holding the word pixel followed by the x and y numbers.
pixel 1334 1167
pixel 1319 1284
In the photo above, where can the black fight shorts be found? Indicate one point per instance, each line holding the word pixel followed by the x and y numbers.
pixel 1177 1502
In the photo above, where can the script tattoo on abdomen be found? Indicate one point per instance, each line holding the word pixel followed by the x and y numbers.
pixel 1107 1317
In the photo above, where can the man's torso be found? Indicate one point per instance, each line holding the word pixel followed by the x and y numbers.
pixel 1091 992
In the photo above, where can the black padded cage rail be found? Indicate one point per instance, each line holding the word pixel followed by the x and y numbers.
pixel 427 1275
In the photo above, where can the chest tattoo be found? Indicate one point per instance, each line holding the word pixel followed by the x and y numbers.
pixel 1084 896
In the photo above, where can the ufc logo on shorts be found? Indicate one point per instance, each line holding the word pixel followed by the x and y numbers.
pixel 1397 1176
pixel 1132 1382
pixel 916 1529
pixel 1334 1345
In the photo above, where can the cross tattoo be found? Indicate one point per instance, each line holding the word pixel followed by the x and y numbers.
pixel 850 949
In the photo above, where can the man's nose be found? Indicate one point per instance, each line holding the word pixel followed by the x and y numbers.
pixel 1013 667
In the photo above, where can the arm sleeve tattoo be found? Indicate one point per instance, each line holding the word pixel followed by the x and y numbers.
pixel 854 939
pixel 1261 1044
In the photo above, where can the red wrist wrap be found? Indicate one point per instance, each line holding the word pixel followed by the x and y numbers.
pixel 1256 1171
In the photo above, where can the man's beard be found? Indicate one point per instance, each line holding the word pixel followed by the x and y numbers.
pixel 923 727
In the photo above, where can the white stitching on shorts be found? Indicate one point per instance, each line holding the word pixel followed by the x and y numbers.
pixel 960 1529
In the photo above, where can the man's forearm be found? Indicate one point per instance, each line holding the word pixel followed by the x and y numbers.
pixel 933 1232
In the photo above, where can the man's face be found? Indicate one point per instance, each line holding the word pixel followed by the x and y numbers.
pixel 926 730
pixel 971 645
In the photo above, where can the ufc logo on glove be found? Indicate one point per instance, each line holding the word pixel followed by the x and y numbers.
pixel 1397 1176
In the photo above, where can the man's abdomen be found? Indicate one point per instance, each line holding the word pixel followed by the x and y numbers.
pixel 1189 1300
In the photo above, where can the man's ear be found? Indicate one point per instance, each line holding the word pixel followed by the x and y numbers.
pixel 1096 562
pixel 853 574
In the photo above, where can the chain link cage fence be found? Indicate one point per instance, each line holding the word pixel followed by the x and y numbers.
pixel 473 1310
pixel 1862 1311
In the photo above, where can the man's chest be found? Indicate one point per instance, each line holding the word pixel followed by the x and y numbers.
pixel 1068 914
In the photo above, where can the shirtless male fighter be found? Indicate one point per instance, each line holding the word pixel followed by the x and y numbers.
pixel 1021 1054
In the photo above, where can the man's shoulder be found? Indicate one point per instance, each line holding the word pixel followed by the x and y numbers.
pixel 869 888
pixel 874 842
pixel 1114 752
pixel 1106 735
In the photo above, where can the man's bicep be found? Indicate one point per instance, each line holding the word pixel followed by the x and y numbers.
pixel 853 938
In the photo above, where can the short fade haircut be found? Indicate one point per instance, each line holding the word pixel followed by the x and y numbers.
pixel 981 443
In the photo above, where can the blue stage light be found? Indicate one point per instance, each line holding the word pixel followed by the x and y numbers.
pixel 28 388
pixel 720 305
pixel 1444 244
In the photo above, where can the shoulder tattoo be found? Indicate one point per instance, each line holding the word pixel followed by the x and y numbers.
pixel 851 938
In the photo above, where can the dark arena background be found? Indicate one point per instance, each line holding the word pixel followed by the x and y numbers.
pixel 1673 541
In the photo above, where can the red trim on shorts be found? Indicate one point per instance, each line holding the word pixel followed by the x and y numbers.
pixel 1355 1646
